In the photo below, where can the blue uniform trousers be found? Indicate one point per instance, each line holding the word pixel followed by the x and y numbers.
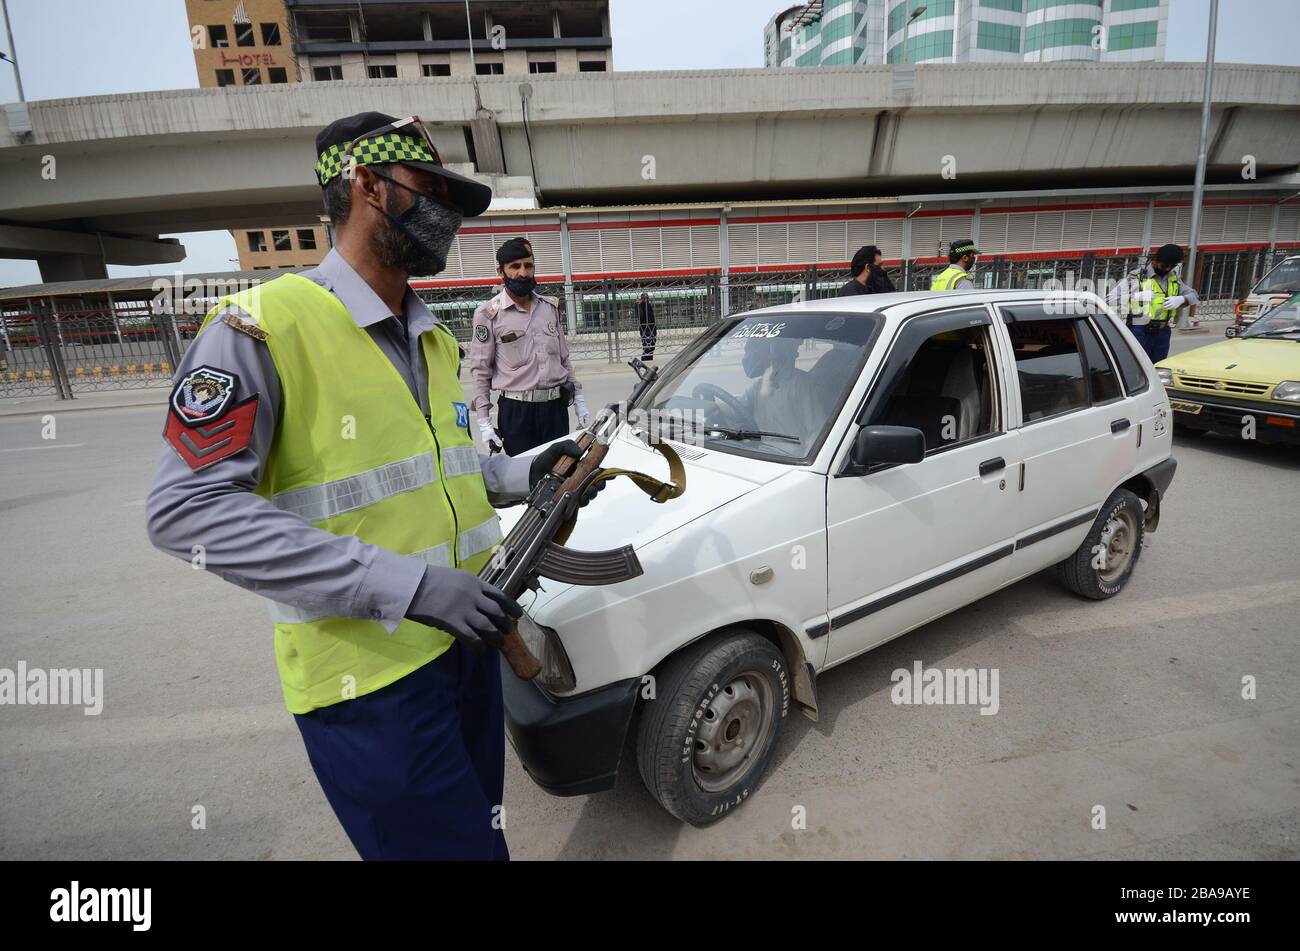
pixel 1155 341
pixel 415 770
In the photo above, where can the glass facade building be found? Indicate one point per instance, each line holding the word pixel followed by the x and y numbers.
pixel 855 32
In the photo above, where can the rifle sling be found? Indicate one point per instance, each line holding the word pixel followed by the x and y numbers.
pixel 657 490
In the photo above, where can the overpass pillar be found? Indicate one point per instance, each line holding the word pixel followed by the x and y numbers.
pixel 70 267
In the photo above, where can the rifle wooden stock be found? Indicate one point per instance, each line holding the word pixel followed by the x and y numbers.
pixel 518 656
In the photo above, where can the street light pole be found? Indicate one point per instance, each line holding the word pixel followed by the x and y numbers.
pixel 907 28
pixel 13 52
pixel 1201 157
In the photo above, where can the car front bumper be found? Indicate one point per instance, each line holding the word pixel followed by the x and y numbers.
pixel 568 746
pixel 1228 416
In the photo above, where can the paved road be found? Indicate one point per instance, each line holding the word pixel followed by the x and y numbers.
pixel 1134 704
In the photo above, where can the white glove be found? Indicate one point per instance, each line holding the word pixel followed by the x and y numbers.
pixel 490 437
pixel 1143 297
pixel 580 407
pixel 1173 303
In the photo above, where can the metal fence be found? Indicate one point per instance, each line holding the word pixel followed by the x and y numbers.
pixel 61 350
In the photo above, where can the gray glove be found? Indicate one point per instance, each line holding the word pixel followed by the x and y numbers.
pixel 470 610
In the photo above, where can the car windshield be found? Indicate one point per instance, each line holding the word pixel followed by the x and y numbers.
pixel 766 385
pixel 1283 279
pixel 1282 321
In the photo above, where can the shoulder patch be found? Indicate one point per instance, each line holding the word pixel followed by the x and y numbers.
pixel 553 301
pixel 204 424
pixel 490 308
pixel 244 326
pixel 481 333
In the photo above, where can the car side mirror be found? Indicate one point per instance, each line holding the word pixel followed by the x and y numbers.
pixel 877 445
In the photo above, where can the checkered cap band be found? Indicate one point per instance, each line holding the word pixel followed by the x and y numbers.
pixel 377 150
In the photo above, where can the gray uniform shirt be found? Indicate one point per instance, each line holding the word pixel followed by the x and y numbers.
pixel 248 541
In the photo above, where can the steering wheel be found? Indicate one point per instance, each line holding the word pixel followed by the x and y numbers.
pixel 719 395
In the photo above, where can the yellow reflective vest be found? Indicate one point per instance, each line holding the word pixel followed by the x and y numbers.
pixel 1155 308
pixel 947 279
pixel 354 455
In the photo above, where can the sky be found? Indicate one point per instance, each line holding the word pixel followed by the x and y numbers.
pixel 101 47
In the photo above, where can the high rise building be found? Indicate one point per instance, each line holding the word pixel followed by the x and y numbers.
pixel 848 32
pixel 263 42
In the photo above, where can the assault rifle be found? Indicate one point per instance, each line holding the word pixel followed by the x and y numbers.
pixel 535 546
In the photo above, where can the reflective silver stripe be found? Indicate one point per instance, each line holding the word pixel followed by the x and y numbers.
pixel 287 614
pixel 439 555
pixel 479 538
pixel 460 460
pixel 317 502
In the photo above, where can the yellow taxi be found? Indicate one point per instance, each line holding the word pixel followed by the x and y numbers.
pixel 1247 387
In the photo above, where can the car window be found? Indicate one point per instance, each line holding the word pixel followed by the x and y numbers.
pixel 1283 279
pixel 1282 321
pixel 1048 367
pixel 1135 377
pixel 768 385
pixel 938 378
pixel 1102 381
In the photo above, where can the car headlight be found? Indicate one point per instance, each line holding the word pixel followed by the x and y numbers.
pixel 557 673
pixel 1166 375
pixel 1287 390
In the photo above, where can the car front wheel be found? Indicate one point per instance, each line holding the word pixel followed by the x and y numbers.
pixel 1102 565
pixel 705 741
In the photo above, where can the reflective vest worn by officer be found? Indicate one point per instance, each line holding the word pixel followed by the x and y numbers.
pixel 360 459
pixel 1153 312
pixel 947 279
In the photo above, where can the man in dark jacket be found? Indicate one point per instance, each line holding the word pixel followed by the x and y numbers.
pixel 645 318
pixel 869 276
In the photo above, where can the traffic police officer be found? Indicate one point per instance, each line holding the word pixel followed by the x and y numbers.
pixel 1154 295
pixel 318 453
pixel 956 276
pixel 518 348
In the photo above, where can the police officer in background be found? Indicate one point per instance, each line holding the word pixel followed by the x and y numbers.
pixel 318 452
pixel 1154 294
pixel 956 276
pixel 518 348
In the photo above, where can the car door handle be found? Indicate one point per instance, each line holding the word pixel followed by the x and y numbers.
pixel 1119 425
pixel 992 465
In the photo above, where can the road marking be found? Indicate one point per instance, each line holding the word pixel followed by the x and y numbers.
pixel 53 445
pixel 1151 611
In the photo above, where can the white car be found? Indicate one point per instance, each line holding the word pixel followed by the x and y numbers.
pixel 855 468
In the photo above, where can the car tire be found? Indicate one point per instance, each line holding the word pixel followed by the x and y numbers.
pixel 1183 431
pixel 705 740
pixel 1117 532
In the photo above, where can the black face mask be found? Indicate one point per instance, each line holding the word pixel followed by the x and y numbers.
pixel 520 286
pixel 420 236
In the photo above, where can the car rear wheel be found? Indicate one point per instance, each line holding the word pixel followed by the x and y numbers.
pixel 1102 565
pixel 704 742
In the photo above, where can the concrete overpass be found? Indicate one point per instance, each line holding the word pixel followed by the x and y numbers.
pixel 127 168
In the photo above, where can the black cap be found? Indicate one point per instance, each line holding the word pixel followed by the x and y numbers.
pixel 470 197
pixel 963 247
pixel 514 250
pixel 1170 254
